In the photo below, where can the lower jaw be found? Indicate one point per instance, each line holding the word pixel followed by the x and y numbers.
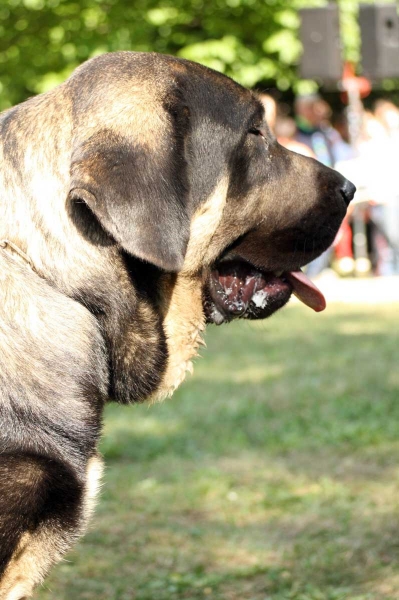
pixel 259 308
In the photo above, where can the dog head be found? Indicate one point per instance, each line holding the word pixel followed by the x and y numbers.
pixel 159 199
pixel 178 165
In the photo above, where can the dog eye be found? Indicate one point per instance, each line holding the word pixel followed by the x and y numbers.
pixel 257 131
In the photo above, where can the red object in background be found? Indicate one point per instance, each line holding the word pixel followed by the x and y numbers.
pixel 351 82
pixel 343 241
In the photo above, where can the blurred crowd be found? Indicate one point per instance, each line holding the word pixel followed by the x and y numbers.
pixel 367 154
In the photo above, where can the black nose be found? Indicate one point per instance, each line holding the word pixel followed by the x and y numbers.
pixel 348 191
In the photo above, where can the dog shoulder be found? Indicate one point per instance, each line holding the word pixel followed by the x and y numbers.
pixel 53 367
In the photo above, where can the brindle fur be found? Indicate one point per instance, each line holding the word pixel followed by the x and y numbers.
pixel 122 186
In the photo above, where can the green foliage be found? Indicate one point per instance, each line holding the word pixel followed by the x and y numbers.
pixel 42 41
pixel 253 41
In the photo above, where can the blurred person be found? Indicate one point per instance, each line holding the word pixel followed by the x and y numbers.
pixel 311 114
pixel 385 213
pixel 285 131
pixel 340 123
pixel 344 260
pixel 370 149
pixel 313 118
pixel 372 132
pixel 387 114
pixel 377 160
pixel 342 149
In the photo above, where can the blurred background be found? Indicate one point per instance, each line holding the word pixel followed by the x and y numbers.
pixel 328 74
pixel 273 471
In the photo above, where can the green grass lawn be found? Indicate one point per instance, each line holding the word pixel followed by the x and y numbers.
pixel 273 472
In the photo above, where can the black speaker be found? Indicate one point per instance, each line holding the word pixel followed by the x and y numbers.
pixel 379 27
pixel 320 37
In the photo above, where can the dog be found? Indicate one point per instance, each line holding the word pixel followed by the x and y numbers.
pixel 141 199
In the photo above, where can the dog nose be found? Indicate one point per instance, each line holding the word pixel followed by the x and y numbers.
pixel 348 191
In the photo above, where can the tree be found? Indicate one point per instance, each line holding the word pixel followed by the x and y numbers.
pixel 253 41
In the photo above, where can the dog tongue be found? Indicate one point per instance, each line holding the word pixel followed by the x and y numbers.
pixel 306 291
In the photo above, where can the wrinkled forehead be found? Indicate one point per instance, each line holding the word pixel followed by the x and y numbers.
pixel 118 87
pixel 210 93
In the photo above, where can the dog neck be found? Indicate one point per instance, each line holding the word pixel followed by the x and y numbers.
pixel 184 324
pixel 34 171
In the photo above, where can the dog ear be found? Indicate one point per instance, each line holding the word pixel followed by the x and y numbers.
pixel 138 194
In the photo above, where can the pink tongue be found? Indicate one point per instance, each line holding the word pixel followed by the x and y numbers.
pixel 306 291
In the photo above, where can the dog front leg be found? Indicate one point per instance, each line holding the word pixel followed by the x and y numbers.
pixel 44 508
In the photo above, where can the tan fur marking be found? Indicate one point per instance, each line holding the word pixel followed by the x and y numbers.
pixel 133 110
pixel 184 319
pixel 31 561
pixel 203 226
pixel 94 472
pixel 183 325
pixel 37 552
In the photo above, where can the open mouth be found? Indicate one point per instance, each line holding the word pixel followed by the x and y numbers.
pixel 236 289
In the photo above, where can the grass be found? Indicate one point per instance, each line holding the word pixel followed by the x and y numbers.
pixel 273 472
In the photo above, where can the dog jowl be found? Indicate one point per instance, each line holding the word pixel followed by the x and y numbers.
pixel 141 199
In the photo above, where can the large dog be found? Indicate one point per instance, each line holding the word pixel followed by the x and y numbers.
pixel 139 200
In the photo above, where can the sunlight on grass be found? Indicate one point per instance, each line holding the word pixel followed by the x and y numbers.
pixel 142 426
pixel 272 474
pixel 359 328
pixel 252 374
